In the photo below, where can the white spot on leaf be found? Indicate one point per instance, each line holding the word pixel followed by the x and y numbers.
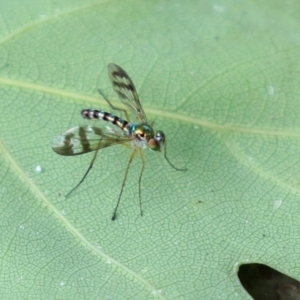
pixel 38 169
pixel 271 90
pixel 277 203
pixel 218 8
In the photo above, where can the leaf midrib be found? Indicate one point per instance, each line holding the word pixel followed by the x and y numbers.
pixel 155 112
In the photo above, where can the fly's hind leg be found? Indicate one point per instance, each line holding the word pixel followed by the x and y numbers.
pixel 140 178
pixel 114 107
pixel 114 216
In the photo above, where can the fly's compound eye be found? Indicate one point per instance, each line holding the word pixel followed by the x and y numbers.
pixel 154 145
pixel 160 137
pixel 157 142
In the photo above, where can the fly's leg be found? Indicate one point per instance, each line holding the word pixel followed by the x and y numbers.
pixel 114 216
pixel 140 179
pixel 86 173
pixel 165 155
pixel 115 108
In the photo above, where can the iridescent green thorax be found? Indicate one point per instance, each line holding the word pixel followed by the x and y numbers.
pixel 145 136
pixel 142 131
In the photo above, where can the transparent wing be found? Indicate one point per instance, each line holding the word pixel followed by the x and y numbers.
pixel 124 87
pixel 83 139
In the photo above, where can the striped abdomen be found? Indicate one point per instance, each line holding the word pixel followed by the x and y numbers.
pixel 102 115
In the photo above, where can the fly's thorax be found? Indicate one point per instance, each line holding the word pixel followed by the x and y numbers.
pixel 145 137
pixel 143 132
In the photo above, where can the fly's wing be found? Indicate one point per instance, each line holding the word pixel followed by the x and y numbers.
pixel 124 87
pixel 83 139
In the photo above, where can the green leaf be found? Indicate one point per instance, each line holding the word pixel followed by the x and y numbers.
pixel 221 80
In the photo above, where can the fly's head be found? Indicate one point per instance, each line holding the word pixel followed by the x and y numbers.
pixel 145 135
pixel 157 142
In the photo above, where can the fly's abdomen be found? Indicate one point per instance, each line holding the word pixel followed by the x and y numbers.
pixel 102 115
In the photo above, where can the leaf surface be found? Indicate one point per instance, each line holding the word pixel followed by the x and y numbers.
pixel 221 80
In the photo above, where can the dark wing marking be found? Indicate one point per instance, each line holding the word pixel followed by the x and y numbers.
pixel 83 139
pixel 124 87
